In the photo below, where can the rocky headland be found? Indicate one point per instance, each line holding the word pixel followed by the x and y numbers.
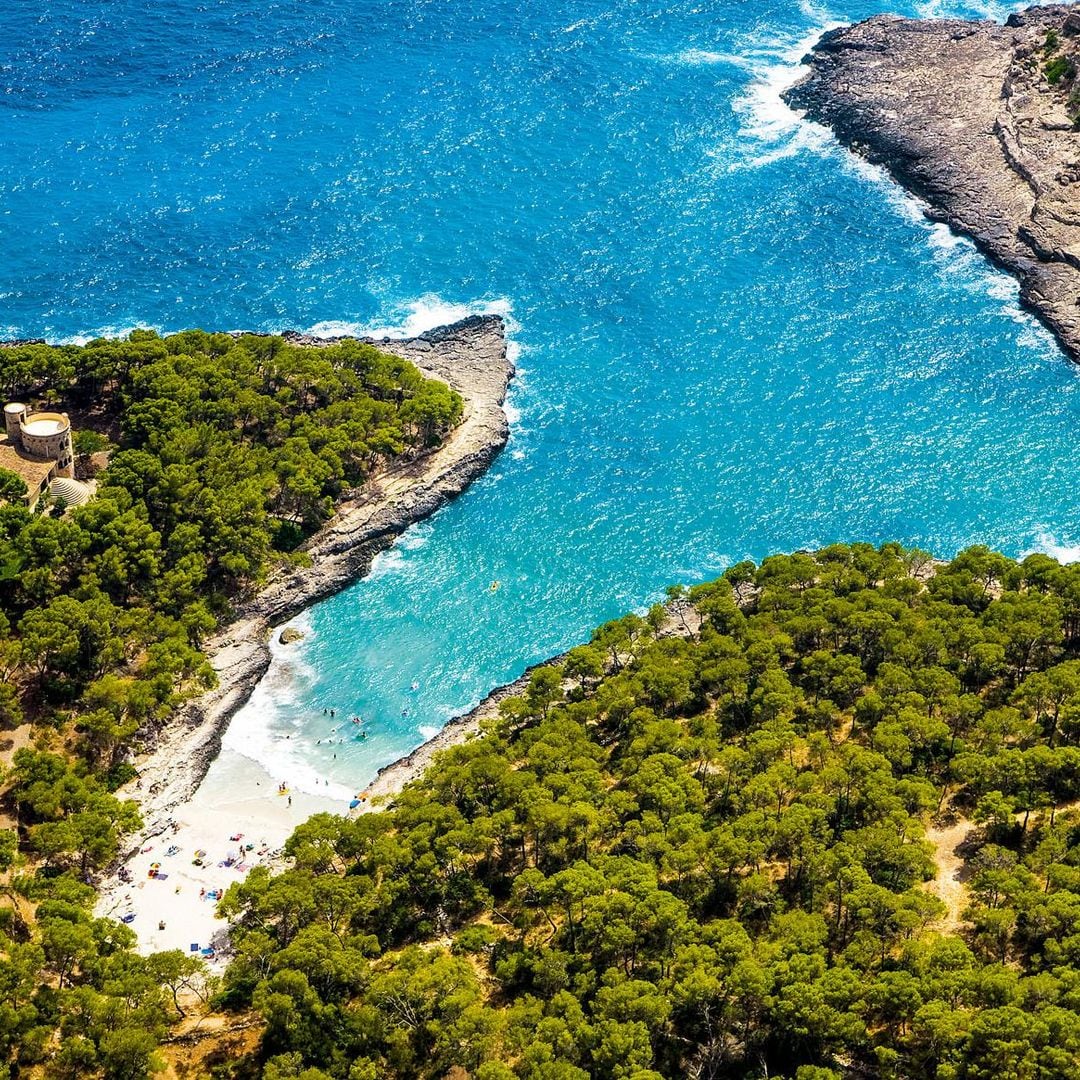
pixel 979 120
pixel 471 356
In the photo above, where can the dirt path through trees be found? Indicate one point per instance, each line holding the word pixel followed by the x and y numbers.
pixel 948 885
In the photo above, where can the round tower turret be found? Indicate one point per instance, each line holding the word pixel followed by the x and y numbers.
pixel 48 435
pixel 13 417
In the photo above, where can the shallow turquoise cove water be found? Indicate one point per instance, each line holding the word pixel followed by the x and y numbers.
pixel 733 339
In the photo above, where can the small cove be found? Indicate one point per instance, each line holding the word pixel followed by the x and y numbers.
pixel 733 338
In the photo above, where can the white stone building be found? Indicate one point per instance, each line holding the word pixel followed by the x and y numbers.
pixel 37 447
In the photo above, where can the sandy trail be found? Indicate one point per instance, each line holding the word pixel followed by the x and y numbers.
pixel 948 885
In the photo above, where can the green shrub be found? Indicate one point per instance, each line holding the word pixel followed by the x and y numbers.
pixel 1060 69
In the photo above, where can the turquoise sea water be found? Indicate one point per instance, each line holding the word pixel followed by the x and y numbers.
pixel 732 339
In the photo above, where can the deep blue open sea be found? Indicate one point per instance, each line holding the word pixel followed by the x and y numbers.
pixel 732 338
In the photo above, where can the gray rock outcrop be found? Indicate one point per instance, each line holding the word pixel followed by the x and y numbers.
pixel 964 116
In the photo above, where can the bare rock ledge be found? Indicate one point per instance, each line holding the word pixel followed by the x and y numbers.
pixel 963 115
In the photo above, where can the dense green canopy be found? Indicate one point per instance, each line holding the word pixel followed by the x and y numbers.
pixel 700 850
pixel 229 450
pixel 696 846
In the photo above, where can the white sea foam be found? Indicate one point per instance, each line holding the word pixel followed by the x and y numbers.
pixel 406 320
pixel 414 317
pixel 707 56
pixel 769 128
pixel 388 561
pixel 269 729
pixel 1048 545
pixel 429 731
pixel 977 9
pixel 908 206
pixel 106 332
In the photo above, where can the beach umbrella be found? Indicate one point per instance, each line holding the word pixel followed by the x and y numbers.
pixel 354 804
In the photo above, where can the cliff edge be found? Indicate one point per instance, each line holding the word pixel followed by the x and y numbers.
pixel 979 120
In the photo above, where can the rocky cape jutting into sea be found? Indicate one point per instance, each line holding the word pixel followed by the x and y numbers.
pixel 471 356
pixel 979 120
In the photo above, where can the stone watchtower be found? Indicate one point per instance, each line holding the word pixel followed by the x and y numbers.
pixel 45 435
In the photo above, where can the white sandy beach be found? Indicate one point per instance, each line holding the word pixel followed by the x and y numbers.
pixel 237 798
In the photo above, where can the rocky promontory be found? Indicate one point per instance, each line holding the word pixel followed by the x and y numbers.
pixel 471 356
pixel 978 119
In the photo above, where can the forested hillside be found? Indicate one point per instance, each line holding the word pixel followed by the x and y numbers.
pixel 701 853
pixel 228 451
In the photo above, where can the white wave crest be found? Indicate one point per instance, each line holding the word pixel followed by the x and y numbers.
pixel 769 128
pixel 707 56
pixel 416 537
pixel 972 9
pixel 1046 544
pixel 269 729
pixel 106 332
pixel 414 317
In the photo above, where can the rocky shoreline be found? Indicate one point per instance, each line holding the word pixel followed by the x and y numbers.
pixel 471 356
pixel 965 116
